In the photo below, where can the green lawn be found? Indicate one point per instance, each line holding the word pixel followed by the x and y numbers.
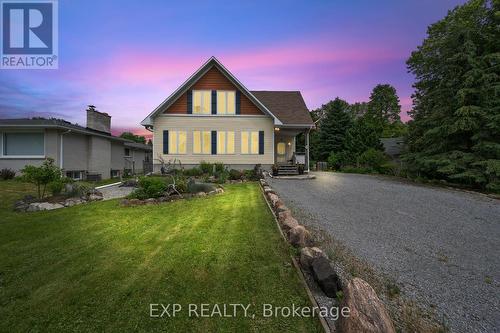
pixel 97 267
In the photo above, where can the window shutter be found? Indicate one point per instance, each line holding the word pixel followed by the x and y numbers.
pixel 261 142
pixel 165 142
pixel 214 142
pixel 189 101
pixel 214 101
pixel 238 102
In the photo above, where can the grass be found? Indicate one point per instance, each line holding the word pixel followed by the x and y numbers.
pixel 97 267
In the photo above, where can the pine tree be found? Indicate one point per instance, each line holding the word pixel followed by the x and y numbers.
pixel 455 132
pixel 384 107
pixel 333 128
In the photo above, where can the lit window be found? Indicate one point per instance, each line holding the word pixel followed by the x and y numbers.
pixel 23 144
pixel 202 142
pixel 225 142
pixel 202 101
pixel 226 102
pixel 250 142
pixel 177 142
pixel 281 148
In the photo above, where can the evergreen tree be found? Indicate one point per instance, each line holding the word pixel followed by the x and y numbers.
pixel 333 128
pixel 384 108
pixel 455 132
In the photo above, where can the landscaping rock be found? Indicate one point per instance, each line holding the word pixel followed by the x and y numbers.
pixel 134 202
pixel 290 223
pixel 267 190
pixel 273 198
pixel 29 199
pixel 20 206
pixel 194 187
pixel 72 202
pixel 219 190
pixel 95 197
pixel 280 207
pixel 201 194
pixel 150 201
pixel 299 236
pixel 325 276
pixel 263 182
pixel 37 206
pixel 367 314
pixel 283 215
pixel 308 255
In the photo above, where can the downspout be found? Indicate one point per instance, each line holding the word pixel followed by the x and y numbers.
pixel 61 156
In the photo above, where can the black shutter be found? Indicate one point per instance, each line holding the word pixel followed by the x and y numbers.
pixel 189 101
pixel 214 101
pixel 261 142
pixel 165 142
pixel 238 102
pixel 214 142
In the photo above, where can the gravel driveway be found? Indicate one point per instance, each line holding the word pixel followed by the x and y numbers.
pixel 441 246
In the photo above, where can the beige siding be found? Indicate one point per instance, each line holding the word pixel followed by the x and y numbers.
pixel 215 123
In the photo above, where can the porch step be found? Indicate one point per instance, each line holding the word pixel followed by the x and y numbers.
pixel 288 170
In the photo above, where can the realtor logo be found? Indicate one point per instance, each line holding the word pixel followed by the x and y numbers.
pixel 29 34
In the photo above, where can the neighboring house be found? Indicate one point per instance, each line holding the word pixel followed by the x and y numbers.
pixel 212 117
pixel 82 152
pixel 393 146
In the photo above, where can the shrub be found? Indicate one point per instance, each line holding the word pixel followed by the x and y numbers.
pixel 235 174
pixel 56 186
pixel 372 159
pixel 42 175
pixel 150 187
pixel 341 159
pixel 206 167
pixel 222 176
pixel 193 172
pixel 333 161
pixel 274 169
pixel 78 190
pixel 6 174
pixel 301 168
pixel 219 167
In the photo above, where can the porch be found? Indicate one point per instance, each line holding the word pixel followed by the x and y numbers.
pixel 286 155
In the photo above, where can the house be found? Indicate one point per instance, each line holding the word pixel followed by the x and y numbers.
pixel 213 117
pixel 81 152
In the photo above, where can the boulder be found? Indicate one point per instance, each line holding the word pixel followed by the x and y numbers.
pixel 94 197
pixel 150 201
pixel 308 255
pixel 299 236
pixel 72 202
pixel 263 182
pixel 20 206
pixel 194 187
pixel 201 194
pixel 280 207
pixel 289 223
pixel 273 198
pixel 219 190
pixel 367 313
pixel 134 202
pixel 36 206
pixel 125 202
pixel 283 215
pixel 325 276
pixel 267 190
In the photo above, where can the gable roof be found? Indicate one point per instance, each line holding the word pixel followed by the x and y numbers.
pixel 212 62
pixel 288 106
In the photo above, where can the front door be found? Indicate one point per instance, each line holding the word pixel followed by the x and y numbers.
pixel 281 152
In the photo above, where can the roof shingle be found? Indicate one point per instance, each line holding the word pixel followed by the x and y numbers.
pixel 288 106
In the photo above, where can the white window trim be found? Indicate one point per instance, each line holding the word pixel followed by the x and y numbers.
pixel 203 91
pixel 225 143
pixel 201 143
pixel 130 152
pixel 3 156
pixel 177 141
pixel 78 171
pixel 249 142
pixel 225 93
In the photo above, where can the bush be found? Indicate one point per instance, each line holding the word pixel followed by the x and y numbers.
pixel 274 169
pixel 372 159
pixel 6 174
pixel 219 167
pixel 206 167
pixel 42 175
pixel 301 168
pixel 235 174
pixel 180 183
pixel 193 172
pixel 78 190
pixel 333 162
pixel 340 160
pixel 150 187
pixel 56 187
pixel 222 176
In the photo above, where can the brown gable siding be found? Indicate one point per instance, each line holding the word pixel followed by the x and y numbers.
pixel 213 80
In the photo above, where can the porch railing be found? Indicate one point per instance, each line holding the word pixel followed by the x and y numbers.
pixel 299 158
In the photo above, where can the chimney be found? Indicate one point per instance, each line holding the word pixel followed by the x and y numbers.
pixel 98 121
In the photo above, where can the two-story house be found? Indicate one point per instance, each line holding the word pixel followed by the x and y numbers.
pixel 213 117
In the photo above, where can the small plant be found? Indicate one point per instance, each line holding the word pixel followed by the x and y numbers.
pixel 6 174
pixel 221 176
pixel 193 172
pixel 42 175
pixel 392 290
pixel 206 167
pixel 274 169
pixel 56 187
pixel 340 296
pixel 235 174
pixel 373 159
pixel 150 187
pixel 301 169
pixel 219 167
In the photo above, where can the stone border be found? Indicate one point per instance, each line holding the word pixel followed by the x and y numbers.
pixel 170 198
pixel 366 311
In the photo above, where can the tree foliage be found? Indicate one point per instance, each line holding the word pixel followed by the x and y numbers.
pixel 42 175
pixel 131 136
pixel 455 132
pixel 333 128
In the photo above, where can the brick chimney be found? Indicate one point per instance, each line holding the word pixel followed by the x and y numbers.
pixel 98 121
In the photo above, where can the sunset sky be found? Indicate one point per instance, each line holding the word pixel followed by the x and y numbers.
pixel 126 57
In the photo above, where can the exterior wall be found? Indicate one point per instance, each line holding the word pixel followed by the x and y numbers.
pixel 75 152
pixel 117 155
pixel 138 159
pixel 238 123
pixel 100 156
pixel 213 80
pixel 51 143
